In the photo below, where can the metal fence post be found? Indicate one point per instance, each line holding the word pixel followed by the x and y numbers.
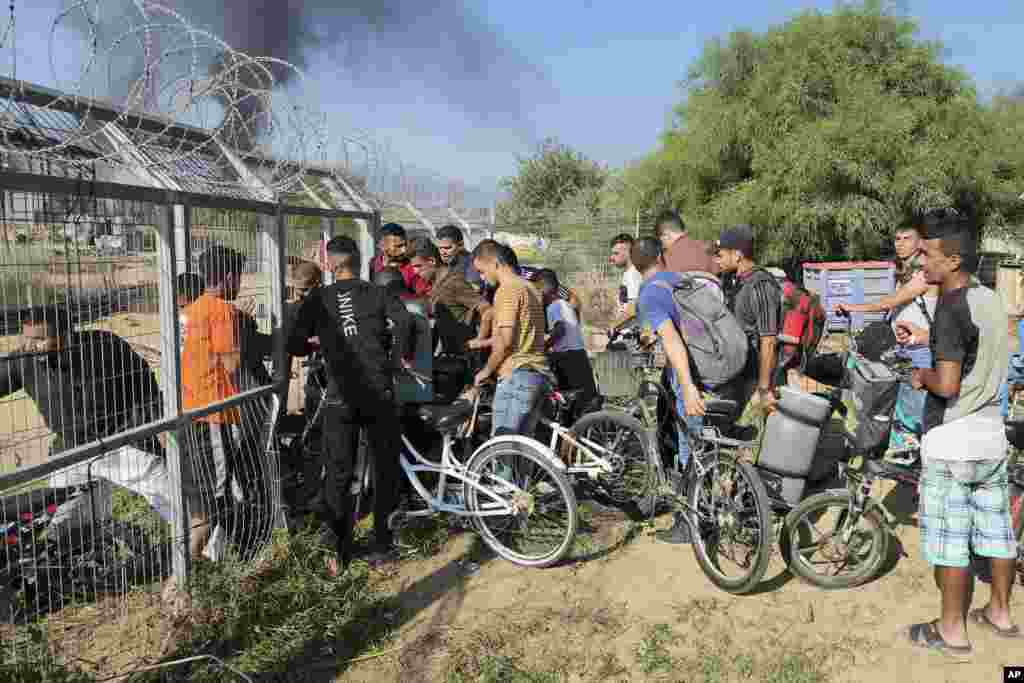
pixel 327 228
pixel 170 380
pixel 183 237
pixel 367 242
pixel 273 238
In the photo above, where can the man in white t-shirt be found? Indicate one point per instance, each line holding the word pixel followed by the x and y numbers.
pixel 564 342
pixel 629 289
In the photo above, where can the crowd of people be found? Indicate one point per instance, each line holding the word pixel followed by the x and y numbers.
pixel 520 328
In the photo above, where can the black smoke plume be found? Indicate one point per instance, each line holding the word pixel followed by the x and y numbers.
pixel 442 43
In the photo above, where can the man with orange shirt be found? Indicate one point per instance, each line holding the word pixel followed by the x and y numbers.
pixel 210 372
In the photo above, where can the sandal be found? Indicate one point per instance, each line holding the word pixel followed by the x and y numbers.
pixel 927 636
pixel 979 617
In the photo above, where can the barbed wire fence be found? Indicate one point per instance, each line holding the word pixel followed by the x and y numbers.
pixel 128 456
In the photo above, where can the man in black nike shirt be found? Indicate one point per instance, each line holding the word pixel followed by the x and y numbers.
pixel 350 317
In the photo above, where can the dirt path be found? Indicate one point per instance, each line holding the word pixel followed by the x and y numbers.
pixel 646 612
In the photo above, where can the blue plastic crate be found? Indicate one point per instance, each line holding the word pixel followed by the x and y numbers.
pixel 853 282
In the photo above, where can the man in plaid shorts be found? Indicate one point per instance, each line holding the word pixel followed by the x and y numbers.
pixel 964 490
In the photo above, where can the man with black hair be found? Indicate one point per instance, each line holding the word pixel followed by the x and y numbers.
pixel 452 248
pixel 87 386
pixel 517 357
pixel 393 282
pixel 629 289
pixel 221 356
pixel 564 342
pixel 453 299
pixel 394 248
pixel 758 307
pixel 682 253
pixel 913 303
pixel 351 318
pixel 964 497
pixel 657 309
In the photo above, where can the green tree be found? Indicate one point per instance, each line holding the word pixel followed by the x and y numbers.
pixel 554 176
pixel 827 132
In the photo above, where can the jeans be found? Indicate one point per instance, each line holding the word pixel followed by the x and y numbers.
pixel 341 425
pixel 1016 376
pixel 686 425
pixel 910 407
pixel 515 402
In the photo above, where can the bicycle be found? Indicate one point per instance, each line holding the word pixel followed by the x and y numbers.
pixel 39 568
pixel 730 502
pixel 860 553
pixel 607 447
pixel 496 482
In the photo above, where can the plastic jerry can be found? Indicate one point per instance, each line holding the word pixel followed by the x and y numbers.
pixel 792 432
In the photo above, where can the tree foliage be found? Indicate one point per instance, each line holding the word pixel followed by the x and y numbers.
pixel 827 132
pixel 552 178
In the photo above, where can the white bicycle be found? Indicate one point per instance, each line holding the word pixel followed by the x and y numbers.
pixel 607 449
pixel 513 489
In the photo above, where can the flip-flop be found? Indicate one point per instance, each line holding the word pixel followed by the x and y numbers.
pixel 979 617
pixel 927 636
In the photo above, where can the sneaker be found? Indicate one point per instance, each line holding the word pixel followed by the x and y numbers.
pixel 679 534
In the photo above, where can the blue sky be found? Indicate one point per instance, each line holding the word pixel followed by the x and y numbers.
pixel 608 69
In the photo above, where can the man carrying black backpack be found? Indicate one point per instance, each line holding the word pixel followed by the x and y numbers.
pixel 758 307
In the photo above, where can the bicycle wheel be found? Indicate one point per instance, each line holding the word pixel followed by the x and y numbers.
pixel 633 480
pixel 731 521
pixel 542 529
pixel 848 554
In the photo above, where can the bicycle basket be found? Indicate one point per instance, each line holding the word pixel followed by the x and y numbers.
pixel 874 389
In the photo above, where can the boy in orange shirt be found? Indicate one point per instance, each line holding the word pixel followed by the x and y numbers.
pixel 210 372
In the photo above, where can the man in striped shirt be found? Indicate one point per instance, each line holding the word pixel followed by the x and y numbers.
pixel 758 307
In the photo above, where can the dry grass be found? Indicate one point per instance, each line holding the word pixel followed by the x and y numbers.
pixel 593 641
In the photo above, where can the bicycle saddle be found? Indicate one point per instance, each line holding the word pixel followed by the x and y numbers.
pixel 720 407
pixel 1015 433
pixel 446 418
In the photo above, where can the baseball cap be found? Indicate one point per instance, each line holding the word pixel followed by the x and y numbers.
pixel 740 238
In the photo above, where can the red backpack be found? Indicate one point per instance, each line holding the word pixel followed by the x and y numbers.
pixel 803 319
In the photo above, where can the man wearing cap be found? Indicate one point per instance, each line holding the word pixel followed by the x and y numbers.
pixel 682 253
pixel 758 308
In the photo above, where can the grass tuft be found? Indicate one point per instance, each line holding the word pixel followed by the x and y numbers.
pixel 289 609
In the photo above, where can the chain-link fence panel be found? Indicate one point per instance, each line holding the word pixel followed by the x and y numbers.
pixel 227 347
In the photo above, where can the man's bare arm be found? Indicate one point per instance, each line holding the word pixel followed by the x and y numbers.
pixel 675 351
pixel 501 344
pixel 629 311
pixel 942 380
pixel 767 362
pixel 901 297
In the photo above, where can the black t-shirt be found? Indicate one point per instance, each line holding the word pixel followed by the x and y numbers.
pixel 351 319
pixel 96 387
pixel 757 305
pixel 969 328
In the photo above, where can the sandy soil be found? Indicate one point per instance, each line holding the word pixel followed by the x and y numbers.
pixel 594 621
